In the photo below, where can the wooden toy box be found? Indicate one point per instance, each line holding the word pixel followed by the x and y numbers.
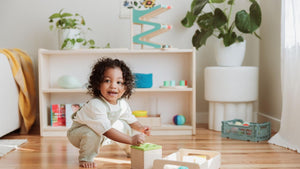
pixel 212 160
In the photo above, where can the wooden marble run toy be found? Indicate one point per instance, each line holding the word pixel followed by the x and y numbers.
pixel 142 17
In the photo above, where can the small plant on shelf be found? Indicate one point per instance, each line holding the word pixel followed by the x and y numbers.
pixel 72 28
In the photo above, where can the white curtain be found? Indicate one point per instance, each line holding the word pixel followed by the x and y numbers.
pixel 289 133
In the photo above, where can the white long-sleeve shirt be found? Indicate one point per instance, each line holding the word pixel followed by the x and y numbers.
pixel 100 115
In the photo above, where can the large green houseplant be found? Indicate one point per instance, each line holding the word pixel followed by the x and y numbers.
pixel 219 23
pixel 64 21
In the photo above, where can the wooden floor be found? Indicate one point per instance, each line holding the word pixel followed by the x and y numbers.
pixel 57 152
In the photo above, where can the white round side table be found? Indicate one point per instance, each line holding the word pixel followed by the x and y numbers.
pixel 231 92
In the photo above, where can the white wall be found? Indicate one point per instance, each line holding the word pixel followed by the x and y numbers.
pixel 24 24
pixel 270 85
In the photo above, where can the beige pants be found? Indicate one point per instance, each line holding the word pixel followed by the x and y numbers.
pixel 89 143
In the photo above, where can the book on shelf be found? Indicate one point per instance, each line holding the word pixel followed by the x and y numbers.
pixel 70 109
pixel 61 114
pixel 58 113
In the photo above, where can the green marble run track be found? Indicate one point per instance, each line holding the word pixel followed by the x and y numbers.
pixel 142 18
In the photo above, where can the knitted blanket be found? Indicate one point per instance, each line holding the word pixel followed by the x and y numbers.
pixel 22 69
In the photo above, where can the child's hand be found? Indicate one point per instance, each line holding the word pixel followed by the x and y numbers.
pixel 146 130
pixel 137 139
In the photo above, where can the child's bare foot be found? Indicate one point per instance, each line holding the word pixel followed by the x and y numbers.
pixel 87 164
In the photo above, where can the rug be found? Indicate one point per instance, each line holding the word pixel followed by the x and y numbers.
pixel 7 145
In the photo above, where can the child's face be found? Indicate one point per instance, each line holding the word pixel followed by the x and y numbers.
pixel 112 88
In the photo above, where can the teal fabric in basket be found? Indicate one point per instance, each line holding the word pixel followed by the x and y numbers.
pixel 143 80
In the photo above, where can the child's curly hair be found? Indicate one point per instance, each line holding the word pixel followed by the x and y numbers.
pixel 97 76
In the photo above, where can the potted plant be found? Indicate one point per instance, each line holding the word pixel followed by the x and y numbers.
pixel 220 23
pixel 71 30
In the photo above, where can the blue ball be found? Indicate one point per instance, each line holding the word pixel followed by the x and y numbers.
pixel 179 119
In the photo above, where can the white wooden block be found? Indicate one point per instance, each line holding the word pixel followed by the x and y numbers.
pixel 143 159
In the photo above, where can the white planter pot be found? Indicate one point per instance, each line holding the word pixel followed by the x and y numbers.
pixel 232 55
pixel 71 34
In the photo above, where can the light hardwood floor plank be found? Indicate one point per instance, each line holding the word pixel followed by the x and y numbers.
pixel 56 152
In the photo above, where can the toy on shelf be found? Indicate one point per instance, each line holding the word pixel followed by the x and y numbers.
pixel 142 17
pixel 191 159
pixel 142 156
pixel 68 82
pixel 172 85
pixel 140 113
pixel 179 119
pixel 143 80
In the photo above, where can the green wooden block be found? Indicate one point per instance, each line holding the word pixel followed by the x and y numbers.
pixel 147 147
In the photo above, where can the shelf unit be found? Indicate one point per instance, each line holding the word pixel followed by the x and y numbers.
pixel 170 64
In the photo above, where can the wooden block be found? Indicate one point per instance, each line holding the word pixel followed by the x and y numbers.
pixel 150 120
pixel 143 158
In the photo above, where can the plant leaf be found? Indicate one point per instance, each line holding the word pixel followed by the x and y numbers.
pixel 240 39
pixel 82 21
pixel 216 1
pixel 197 6
pixel 230 2
pixel 107 45
pixel 248 23
pixel 229 38
pixel 72 41
pixel 91 42
pixel 54 16
pixel 66 15
pixel 219 18
pixel 64 43
pixel 200 38
pixel 211 21
pixel 205 21
pixel 188 20
pixel 79 40
pixel 255 14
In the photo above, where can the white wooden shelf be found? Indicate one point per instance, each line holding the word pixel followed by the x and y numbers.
pixel 60 90
pixel 174 64
pixel 161 130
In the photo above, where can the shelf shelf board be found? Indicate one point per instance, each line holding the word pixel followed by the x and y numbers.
pixel 114 50
pixel 172 127
pixel 165 129
pixel 164 126
pixel 59 90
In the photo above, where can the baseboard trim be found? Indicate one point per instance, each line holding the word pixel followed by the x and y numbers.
pixel 275 122
pixel 202 118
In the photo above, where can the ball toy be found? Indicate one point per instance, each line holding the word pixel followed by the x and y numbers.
pixel 179 119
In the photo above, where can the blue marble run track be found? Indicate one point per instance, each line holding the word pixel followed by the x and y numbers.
pixel 142 17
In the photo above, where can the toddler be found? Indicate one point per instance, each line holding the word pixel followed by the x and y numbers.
pixel 107 116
